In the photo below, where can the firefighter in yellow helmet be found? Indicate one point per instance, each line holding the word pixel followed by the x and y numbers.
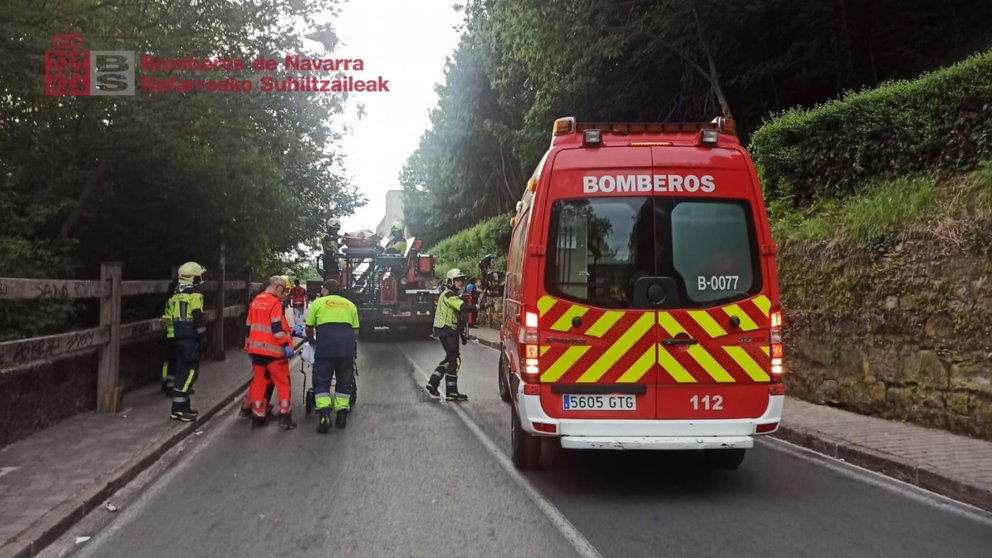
pixel 449 308
pixel 184 311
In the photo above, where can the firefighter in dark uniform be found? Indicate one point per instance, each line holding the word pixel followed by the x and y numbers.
pixel 450 306
pixel 329 244
pixel 334 320
pixel 185 312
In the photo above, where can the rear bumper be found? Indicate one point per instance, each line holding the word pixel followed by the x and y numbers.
pixel 656 442
pixel 666 434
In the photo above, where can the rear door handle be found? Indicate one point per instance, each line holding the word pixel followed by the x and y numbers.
pixel 679 341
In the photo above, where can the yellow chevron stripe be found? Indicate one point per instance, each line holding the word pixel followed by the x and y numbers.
pixel 709 364
pixel 707 322
pixel 544 304
pixel 763 304
pixel 674 367
pixel 604 323
pixel 564 323
pixel 752 368
pixel 747 324
pixel 768 351
pixel 639 368
pixel 671 326
pixel 618 349
pixel 567 359
pixel 544 349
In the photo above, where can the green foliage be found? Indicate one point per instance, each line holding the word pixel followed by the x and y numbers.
pixel 810 225
pixel 465 249
pixel 889 207
pixel 463 170
pixel 982 180
pixel 867 221
pixel 522 63
pixel 939 121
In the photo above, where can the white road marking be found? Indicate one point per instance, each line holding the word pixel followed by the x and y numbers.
pixel 879 480
pixel 564 526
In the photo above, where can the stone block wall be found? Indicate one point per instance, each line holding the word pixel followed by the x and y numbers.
pixel 903 331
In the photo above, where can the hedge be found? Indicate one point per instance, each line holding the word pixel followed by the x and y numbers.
pixel 465 249
pixel 939 121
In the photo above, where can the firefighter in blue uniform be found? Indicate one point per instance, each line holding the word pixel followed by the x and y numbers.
pixel 185 311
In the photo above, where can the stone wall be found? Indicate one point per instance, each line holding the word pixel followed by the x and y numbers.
pixel 902 330
pixel 42 394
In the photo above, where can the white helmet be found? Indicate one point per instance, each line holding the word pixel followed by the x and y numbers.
pixel 190 273
pixel 334 223
pixel 455 273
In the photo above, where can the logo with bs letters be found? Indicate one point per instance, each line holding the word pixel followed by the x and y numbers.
pixel 72 71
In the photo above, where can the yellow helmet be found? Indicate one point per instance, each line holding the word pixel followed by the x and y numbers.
pixel 191 273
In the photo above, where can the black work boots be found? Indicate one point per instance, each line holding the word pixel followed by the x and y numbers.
pixel 183 416
pixel 286 421
pixel 341 419
pixel 324 424
pixel 432 389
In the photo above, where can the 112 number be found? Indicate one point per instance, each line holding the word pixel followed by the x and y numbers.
pixel 707 403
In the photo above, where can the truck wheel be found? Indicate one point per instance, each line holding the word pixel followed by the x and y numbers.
pixel 503 379
pixel 726 458
pixel 526 447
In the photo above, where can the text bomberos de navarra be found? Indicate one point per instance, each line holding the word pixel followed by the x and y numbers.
pixel 292 81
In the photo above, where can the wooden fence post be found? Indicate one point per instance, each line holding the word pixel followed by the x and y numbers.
pixel 219 352
pixel 248 299
pixel 108 392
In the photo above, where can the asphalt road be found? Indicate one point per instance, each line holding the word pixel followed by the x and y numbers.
pixel 411 476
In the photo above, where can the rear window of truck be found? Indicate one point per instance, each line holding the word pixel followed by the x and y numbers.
pixel 600 247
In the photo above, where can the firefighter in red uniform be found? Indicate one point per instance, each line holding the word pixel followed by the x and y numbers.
pixel 270 347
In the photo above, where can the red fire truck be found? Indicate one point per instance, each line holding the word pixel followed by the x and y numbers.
pixel 641 302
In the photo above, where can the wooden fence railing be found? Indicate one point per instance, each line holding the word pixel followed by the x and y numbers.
pixel 107 338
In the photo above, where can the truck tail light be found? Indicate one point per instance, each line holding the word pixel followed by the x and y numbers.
pixel 530 371
pixel 775 343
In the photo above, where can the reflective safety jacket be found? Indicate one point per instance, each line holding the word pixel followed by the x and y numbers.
pixel 268 331
pixel 170 331
pixel 335 320
pixel 184 316
pixel 329 243
pixel 449 306
pixel 399 246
